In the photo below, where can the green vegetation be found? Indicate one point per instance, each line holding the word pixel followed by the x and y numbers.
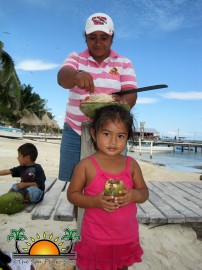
pixel 16 100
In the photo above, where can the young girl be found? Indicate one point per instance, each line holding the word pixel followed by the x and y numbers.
pixel 110 237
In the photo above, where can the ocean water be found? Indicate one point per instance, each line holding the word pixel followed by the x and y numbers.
pixel 174 161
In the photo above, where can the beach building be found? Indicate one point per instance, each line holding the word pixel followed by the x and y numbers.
pixel 147 133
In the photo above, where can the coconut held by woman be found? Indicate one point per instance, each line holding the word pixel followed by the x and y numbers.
pixel 93 102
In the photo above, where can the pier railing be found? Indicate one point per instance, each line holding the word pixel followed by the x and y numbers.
pixel 184 145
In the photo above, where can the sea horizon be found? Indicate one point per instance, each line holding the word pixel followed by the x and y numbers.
pixel 174 161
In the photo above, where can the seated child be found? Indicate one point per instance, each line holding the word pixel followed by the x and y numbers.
pixel 32 184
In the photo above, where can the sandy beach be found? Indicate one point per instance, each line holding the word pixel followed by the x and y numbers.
pixel 165 247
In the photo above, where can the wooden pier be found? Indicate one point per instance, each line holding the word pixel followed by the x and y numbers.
pixel 150 146
pixel 183 145
pixel 169 202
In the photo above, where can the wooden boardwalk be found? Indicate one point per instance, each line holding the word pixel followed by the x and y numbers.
pixel 169 202
pixel 172 202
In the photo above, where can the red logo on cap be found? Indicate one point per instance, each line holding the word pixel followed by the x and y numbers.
pixel 99 20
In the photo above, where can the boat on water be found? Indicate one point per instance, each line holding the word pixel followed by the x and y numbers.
pixel 148 147
pixel 10 132
pixel 182 148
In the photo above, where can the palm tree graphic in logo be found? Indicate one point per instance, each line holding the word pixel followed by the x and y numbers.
pixel 45 245
pixel 18 235
pixel 72 237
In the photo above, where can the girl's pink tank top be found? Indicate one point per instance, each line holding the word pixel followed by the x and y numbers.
pixel 102 227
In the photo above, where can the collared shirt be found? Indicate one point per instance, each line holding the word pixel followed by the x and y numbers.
pixel 113 74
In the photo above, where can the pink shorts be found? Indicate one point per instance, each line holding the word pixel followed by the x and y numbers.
pixel 91 256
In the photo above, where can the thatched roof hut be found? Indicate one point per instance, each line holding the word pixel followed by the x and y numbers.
pixel 30 119
pixel 49 123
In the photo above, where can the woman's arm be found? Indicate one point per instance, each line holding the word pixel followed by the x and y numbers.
pixel 66 77
pixel 69 78
pixel 129 98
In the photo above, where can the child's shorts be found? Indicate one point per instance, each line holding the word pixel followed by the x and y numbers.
pixel 91 256
pixel 35 193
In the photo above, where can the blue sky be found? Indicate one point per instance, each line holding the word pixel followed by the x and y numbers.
pixel 161 37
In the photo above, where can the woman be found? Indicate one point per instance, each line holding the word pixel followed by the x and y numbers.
pixel 96 70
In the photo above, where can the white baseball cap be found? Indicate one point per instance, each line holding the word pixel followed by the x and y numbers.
pixel 99 22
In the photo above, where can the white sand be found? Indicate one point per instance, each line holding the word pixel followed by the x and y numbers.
pixel 165 247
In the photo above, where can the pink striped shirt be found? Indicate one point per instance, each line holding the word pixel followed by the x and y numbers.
pixel 113 74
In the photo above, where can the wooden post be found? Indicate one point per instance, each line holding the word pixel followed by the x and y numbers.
pixel 87 149
pixel 151 150
pixel 140 146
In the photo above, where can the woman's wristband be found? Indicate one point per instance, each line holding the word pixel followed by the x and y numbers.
pixel 75 76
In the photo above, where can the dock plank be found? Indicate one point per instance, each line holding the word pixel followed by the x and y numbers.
pixel 162 204
pixel 155 216
pixel 64 210
pixel 186 189
pixel 48 184
pixel 190 198
pixel 46 207
pixel 141 215
pixel 191 211
pixel 189 189
pixel 198 184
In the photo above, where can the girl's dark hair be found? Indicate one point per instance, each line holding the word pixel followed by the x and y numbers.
pixel 114 113
pixel 28 149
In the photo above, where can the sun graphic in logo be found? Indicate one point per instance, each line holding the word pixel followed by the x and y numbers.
pixel 46 245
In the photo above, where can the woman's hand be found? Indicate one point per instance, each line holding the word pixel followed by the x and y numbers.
pixel 118 98
pixel 84 80
pixel 128 98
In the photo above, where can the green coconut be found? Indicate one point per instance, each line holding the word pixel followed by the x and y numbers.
pixel 88 108
pixel 11 203
pixel 113 186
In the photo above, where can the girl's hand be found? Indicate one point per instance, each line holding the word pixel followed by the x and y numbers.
pixel 127 198
pixel 105 202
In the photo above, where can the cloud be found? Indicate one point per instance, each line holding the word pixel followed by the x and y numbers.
pixel 192 95
pixel 141 100
pixel 133 18
pixel 34 65
pixel 60 116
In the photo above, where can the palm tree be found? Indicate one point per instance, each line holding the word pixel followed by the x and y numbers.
pixel 72 236
pixel 16 100
pixel 6 66
pixel 18 235
pixel 31 102
pixel 9 84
